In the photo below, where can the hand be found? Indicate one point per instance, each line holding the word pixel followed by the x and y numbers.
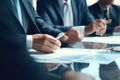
pixel 77 76
pixel 117 29
pixel 72 36
pixel 99 26
pixel 52 66
pixel 45 43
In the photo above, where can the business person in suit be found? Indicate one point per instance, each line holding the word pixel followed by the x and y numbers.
pixel 51 11
pixel 105 9
pixel 76 14
pixel 37 25
pixel 70 35
pixel 16 64
pixel 33 25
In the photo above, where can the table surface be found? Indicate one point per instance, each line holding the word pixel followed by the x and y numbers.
pixel 99 71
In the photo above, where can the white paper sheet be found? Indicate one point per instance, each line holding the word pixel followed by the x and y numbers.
pixel 108 40
pixel 69 55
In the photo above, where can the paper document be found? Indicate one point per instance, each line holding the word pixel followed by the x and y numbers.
pixel 108 40
pixel 69 55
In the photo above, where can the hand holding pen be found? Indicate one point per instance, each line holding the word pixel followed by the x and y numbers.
pixel 102 26
pixel 98 26
pixel 70 36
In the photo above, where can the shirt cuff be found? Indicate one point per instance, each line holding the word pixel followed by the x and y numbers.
pixel 79 28
pixel 29 41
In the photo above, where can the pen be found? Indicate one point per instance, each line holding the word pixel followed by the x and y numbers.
pixel 60 35
pixel 114 49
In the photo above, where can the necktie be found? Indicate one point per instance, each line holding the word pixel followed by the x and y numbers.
pixel 106 14
pixel 17 8
pixel 67 12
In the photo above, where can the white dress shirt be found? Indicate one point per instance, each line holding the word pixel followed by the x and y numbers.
pixel 29 41
pixel 70 18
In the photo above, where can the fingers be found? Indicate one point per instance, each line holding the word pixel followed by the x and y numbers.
pixel 45 43
pixel 51 66
pixel 52 40
pixel 80 36
pixel 91 28
pixel 44 48
pixel 50 45
pixel 96 26
pixel 74 36
pixel 108 21
pixel 64 38
pixel 101 30
pixel 101 23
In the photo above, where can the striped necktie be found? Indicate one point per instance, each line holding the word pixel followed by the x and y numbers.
pixel 68 21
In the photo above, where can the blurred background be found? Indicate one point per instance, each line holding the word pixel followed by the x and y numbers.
pixel 90 2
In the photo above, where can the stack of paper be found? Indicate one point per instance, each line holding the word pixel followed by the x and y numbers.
pixel 69 55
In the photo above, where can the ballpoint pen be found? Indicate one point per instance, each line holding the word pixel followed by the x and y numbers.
pixel 114 49
pixel 60 35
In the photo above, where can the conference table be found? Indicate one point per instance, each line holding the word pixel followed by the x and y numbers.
pixel 109 71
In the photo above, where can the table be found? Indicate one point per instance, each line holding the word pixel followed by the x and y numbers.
pixel 100 72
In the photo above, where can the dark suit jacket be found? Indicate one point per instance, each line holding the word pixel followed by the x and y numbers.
pixel 51 12
pixel 16 64
pixel 38 23
pixel 97 12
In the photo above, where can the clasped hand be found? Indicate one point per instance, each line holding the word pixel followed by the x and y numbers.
pixel 72 36
pixel 98 26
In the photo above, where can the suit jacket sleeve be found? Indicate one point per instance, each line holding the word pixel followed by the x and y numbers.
pixel 15 62
pixel 53 30
pixel 42 11
pixel 87 17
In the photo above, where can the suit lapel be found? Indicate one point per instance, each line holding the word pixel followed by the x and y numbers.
pixel 25 4
pixel 15 16
pixel 13 10
pixel 31 14
pixel 112 14
pixel 74 8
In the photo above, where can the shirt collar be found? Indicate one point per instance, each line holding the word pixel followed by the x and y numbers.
pixel 61 2
pixel 104 8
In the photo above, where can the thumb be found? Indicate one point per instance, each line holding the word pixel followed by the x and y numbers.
pixel 64 38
